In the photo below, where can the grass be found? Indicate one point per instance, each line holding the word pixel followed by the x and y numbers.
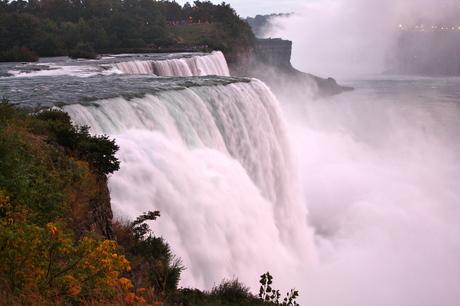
pixel 193 34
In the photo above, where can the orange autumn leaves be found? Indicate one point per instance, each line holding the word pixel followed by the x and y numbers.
pixel 48 262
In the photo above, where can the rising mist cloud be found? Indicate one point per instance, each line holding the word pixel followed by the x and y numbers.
pixel 343 38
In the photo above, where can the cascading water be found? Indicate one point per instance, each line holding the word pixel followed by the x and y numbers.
pixel 215 161
pixel 210 64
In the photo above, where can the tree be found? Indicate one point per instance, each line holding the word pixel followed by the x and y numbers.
pixel 154 265
pixel 48 263
pixel 98 151
pixel 269 295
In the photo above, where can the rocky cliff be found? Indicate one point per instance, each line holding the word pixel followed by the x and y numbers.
pixel 270 61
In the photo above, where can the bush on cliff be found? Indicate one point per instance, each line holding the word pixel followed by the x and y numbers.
pixel 98 151
pixel 153 263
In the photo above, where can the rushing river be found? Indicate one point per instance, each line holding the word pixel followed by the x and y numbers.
pixel 352 199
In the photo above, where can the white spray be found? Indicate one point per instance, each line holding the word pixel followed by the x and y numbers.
pixel 381 181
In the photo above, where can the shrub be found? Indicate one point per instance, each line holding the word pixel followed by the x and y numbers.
pixel 7 112
pixel 43 193
pixel 82 50
pixel 190 297
pixel 99 151
pixel 269 295
pixel 48 262
pixel 231 291
pixel 18 54
pixel 153 263
pixel 52 166
pixel 228 292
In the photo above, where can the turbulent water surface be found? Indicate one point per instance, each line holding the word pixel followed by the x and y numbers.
pixel 353 199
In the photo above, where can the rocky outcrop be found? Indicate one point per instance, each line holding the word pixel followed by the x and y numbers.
pixel 270 61
pixel 99 214
pixel 275 52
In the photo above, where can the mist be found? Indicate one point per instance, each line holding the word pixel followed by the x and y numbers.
pixel 380 181
pixel 345 38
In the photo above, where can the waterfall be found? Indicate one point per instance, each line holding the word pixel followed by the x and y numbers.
pixel 197 65
pixel 215 161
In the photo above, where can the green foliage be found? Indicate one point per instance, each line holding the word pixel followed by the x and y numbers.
pixel 231 292
pixel 99 151
pixel 228 292
pixel 83 50
pixel 18 30
pixel 227 32
pixel 17 54
pixel 191 297
pixel 139 228
pixel 54 178
pixel 153 263
pixel 28 170
pixel 7 112
pixel 67 27
pixel 269 295
pixel 43 196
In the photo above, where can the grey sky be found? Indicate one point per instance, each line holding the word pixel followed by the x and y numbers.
pixel 250 8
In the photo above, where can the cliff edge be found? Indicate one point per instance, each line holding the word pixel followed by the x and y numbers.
pixel 270 61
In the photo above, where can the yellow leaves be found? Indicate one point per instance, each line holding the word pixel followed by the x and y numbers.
pixel 125 283
pixel 52 228
pixel 20 253
pixel 49 260
pixel 72 285
pixel 4 200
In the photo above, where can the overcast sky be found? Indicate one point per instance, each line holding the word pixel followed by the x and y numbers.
pixel 250 8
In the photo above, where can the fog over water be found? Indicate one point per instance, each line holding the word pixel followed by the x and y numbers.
pixel 380 166
pixel 380 173
pixel 341 38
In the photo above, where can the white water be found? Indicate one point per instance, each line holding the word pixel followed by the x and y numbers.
pixel 216 162
pixel 211 64
pixel 381 178
pixel 57 69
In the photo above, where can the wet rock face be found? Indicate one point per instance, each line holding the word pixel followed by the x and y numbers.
pixel 270 61
pixel 276 52
pixel 98 214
